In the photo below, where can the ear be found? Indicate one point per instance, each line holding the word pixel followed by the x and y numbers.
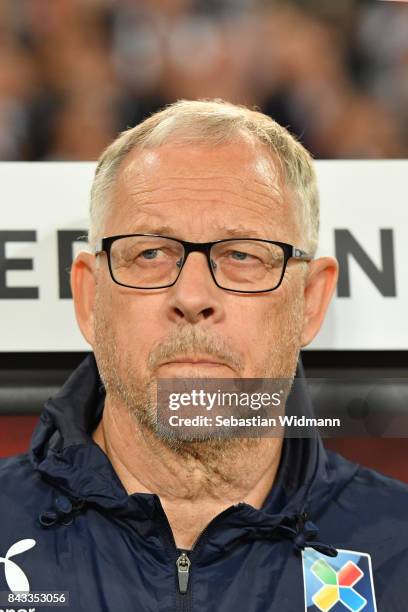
pixel 319 287
pixel 83 292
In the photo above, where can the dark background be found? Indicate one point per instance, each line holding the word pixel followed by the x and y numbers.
pixel 75 72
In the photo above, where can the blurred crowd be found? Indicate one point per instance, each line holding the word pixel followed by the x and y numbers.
pixel 73 73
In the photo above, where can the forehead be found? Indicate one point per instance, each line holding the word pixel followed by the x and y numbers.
pixel 195 191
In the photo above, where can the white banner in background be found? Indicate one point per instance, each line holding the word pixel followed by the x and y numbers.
pixel 364 222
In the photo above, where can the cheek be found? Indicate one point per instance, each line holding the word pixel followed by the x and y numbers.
pixel 136 320
pixel 252 328
pixel 269 321
pixel 256 320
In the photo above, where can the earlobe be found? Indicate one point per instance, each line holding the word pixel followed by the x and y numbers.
pixel 319 288
pixel 83 293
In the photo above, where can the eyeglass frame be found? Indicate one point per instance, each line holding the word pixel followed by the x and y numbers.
pixel 104 245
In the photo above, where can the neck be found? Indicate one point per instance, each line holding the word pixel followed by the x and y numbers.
pixel 194 483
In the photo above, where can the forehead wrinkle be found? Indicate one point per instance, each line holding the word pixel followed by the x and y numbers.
pixel 156 223
pixel 266 189
pixel 143 194
pixel 241 202
pixel 252 209
pixel 210 177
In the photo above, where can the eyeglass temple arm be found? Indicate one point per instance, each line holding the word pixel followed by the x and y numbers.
pixel 98 247
pixel 301 255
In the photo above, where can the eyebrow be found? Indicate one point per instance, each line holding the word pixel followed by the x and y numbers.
pixel 225 232
pixel 164 230
pixel 241 232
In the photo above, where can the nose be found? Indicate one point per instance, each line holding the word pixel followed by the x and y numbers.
pixel 195 297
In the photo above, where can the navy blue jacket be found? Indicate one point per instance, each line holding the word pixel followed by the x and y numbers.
pixel 115 552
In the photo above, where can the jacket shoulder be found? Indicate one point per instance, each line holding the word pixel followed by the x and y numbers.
pixel 366 512
pixel 10 466
pixel 19 480
pixel 368 480
pixel 372 505
pixel 388 494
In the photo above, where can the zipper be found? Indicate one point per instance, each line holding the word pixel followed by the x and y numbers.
pixel 183 571
pixel 182 560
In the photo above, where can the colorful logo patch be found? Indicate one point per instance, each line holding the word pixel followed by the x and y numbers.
pixel 338 583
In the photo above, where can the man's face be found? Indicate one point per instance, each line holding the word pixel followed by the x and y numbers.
pixel 198 194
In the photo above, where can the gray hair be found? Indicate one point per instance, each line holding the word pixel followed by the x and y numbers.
pixel 214 122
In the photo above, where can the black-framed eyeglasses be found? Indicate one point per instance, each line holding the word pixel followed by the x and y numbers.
pixel 243 265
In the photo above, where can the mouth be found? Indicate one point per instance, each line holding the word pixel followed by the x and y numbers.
pixel 194 360
pixel 186 366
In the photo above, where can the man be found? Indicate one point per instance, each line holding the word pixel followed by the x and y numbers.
pixel 204 224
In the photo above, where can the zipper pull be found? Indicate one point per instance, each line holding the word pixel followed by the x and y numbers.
pixel 183 570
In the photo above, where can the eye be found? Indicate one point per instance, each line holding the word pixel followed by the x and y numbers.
pixel 239 255
pixel 149 253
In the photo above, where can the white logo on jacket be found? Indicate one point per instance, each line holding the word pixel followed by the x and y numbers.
pixel 16 579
